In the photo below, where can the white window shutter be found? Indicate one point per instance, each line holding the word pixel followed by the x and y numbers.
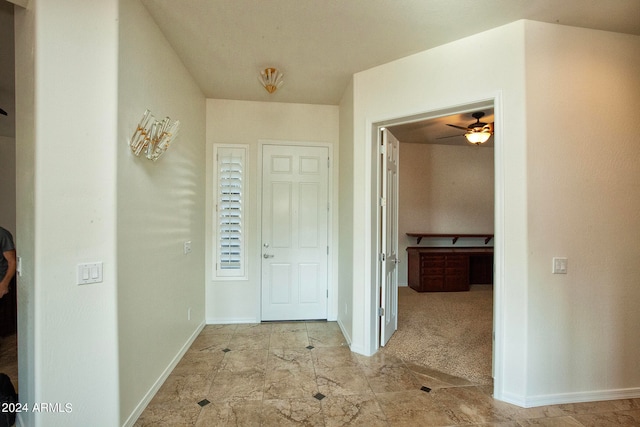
pixel 230 212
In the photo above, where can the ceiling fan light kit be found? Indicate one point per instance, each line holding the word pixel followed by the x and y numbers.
pixel 477 138
pixel 478 132
pixel 271 79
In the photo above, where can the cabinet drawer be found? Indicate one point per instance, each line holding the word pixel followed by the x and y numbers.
pixel 431 271
pixel 432 261
pixel 456 262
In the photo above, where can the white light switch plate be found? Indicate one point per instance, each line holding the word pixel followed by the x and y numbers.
pixel 559 266
pixel 89 273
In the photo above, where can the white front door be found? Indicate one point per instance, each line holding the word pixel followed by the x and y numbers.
pixel 389 235
pixel 294 232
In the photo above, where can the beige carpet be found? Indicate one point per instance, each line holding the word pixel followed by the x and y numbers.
pixel 446 331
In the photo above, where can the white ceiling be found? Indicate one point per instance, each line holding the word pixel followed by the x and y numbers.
pixel 319 44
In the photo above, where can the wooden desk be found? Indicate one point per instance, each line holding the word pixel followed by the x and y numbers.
pixel 448 269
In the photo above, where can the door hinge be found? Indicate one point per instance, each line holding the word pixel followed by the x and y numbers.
pixel 383 202
pixel 328 162
pixel 380 311
pixel 383 257
pixel 383 149
pixel 327 250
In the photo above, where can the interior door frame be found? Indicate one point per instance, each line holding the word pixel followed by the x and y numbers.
pixel 332 290
pixel 494 101
pixel 389 313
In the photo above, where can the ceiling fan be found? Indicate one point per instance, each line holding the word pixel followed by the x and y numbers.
pixel 478 132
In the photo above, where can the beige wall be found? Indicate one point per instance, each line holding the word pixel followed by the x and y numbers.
pixel 431 82
pixel 443 189
pixel 247 122
pixel 345 288
pixel 82 197
pixel 161 205
pixel 66 147
pixel 583 163
pixel 566 167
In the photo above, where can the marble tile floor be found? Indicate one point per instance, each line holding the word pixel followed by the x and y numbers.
pixel 303 374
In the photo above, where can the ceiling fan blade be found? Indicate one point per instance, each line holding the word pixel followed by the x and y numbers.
pixel 458 127
pixel 4 113
pixel 450 136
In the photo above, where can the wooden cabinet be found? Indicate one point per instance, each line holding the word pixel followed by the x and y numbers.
pixel 481 268
pixel 448 269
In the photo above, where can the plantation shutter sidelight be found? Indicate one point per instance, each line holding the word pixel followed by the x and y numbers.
pixel 230 211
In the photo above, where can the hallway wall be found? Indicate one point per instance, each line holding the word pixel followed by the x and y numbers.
pixel 247 122
pixel 345 266
pixel 433 81
pixel 160 205
pixel 583 169
pixel 564 187
pixel 66 175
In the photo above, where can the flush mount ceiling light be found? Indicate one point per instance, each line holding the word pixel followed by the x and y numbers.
pixel 478 132
pixel 271 79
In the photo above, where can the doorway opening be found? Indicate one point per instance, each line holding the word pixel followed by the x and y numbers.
pixel 438 143
pixel 8 303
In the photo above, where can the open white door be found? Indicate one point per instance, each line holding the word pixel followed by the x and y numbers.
pixel 295 221
pixel 389 235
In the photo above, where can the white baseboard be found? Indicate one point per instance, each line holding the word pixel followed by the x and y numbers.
pixel 229 320
pixel 165 374
pixel 344 333
pixel 578 397
pixel 354 348
pixel 361 350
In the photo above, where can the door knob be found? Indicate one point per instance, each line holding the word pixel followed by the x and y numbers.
pixel 267 256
